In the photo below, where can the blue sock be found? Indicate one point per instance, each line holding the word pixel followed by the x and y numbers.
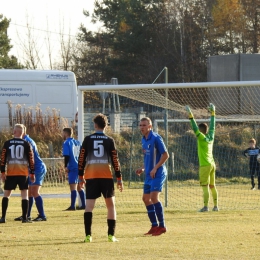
pixel 151 215
pixel 31 200
pixel 73 197
pixel 39 205
pixel 82 198
pixel 159 213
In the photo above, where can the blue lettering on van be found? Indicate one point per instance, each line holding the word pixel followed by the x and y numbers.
pixel 11 89
pixel 57 76
pixel 14 95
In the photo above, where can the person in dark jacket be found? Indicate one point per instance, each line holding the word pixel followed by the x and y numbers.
pixel 254 167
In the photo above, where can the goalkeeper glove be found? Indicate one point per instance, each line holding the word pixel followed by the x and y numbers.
pixel 212 109
pixel 189 112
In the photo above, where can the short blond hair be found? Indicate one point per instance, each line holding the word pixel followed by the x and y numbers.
pixel 148 119
pixel 20 127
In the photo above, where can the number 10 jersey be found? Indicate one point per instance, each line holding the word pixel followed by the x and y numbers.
pixel 97 155
pixel 17 154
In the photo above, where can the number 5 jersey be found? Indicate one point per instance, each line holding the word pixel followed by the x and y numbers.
pixel 17 154
pixel 97 155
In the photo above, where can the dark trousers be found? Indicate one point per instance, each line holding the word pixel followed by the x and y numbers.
pixel 255 169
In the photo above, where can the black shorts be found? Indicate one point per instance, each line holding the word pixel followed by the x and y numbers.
pixel 96 187
pixel 12 181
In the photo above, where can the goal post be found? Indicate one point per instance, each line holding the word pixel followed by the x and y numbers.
pixel 237 120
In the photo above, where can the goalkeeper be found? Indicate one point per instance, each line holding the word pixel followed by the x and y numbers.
pixel 205 139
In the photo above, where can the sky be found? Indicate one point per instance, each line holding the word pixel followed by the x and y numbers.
pixel 42 16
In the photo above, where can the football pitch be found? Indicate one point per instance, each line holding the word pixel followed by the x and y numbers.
pixel 225 234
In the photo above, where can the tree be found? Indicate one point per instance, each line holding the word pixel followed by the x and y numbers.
pixel 140 38
pixel 252 17
pixel 229 25
pixel 68 46
pixel 31 47
pixel 6 61
pixel 128 47
pixel 121 48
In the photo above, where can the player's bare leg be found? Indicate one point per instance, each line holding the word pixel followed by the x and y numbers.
pixel 111 209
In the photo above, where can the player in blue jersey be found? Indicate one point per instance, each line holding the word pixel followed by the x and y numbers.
pixel 155 156
pixel 71 149
pixel 34 188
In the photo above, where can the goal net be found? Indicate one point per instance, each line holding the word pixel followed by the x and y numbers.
pixel 237 121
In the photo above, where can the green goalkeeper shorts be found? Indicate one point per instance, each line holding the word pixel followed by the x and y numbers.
pixel 207 174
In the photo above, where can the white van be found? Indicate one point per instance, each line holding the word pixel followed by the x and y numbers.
pixel 53 89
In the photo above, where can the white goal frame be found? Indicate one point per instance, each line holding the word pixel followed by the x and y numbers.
pixel 165 86
pixel 108 88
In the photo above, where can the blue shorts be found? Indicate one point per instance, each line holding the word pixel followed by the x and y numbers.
pixel 39 177
pixel 155 184
pixel 73 177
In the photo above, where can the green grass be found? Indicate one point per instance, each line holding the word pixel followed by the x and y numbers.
pixel 191 235
pixel 183 195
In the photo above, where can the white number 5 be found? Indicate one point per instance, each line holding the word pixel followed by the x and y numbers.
pixel 98 148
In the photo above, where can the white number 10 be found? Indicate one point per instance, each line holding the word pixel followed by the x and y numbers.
pixel 17 151
pixel 98 148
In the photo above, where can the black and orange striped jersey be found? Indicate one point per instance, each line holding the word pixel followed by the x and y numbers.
pixel 97 155
pixel 17 154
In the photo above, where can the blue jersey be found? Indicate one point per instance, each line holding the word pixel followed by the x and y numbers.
pixel 39 165
pixel 153 148
pixel 71 148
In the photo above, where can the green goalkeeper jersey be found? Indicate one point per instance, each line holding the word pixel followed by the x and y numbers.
pixel 205 142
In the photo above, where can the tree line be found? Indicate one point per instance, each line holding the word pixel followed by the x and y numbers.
pixel 138 38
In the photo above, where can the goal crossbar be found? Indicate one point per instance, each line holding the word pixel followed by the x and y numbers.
pixel 170 85
pixel 162 86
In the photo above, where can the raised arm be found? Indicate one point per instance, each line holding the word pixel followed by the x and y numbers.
pixel 212 121
pixel 193 123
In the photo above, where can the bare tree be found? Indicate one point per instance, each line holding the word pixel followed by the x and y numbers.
pixel 30 47
pixel 49 46
pixel 68 45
